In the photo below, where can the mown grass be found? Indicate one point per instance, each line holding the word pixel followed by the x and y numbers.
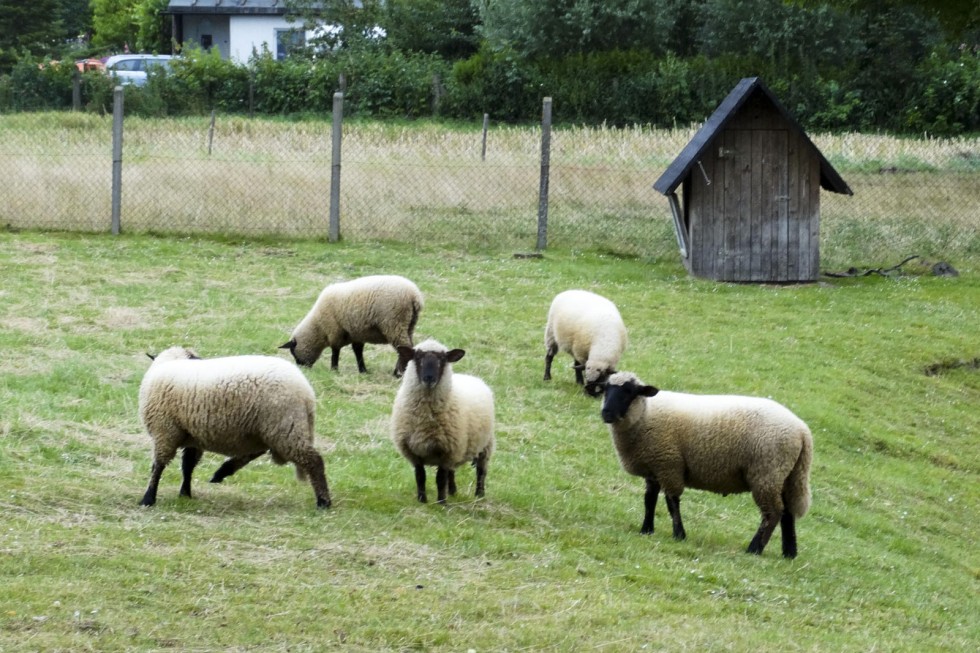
pixel 552 558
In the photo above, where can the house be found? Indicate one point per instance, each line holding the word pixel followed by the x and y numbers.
pixel 750 183
pixel 237 28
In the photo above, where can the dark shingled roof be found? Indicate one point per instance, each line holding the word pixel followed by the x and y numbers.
pixel 689 156
pixel 234 7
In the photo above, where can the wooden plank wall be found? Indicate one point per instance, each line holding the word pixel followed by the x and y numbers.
pixel 754 204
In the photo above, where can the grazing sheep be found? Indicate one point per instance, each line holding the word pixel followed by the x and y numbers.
pixel 379 309
pixel 720 443
pixel 239 406
pixel 442 419
pixel 589 327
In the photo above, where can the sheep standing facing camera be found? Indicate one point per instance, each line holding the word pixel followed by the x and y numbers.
pixel 589 327
pixel 442 419
pixel 378 309
pixel 239 406
pixel 720 443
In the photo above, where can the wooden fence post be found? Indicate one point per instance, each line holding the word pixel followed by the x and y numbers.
pixel 545 173
pixel 76 90
pixel 486 123
pixel 117 142
pixel 338 117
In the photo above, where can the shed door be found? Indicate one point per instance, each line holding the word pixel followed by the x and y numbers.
pixel 742 209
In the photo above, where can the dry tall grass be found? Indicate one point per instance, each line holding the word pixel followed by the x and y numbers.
pixel 424 181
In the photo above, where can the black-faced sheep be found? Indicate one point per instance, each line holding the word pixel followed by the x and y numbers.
pixel 720 443
pixel 442 419
pixel 378 309
pixel 239 406
pixel 589 327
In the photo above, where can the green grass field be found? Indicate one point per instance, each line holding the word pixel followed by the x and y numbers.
pixel 552 558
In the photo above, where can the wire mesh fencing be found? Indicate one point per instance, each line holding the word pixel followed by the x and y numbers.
pixel 459 187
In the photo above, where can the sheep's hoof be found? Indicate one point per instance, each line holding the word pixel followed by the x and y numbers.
pixel 646 531
pixel 422 498
pixel 323 504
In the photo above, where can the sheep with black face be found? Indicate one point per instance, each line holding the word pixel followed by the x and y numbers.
pixel 442 419
pixel 721 443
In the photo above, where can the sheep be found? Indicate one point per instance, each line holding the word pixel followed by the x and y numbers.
pixel 589 327
pixel 378 309
pixel 442 419
pixel 720 443
pixel 239 406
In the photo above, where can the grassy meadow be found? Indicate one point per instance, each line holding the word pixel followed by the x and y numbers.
pixel 551 559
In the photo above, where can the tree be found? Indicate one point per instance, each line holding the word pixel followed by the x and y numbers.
pixel 338 23
pixel 557 28
pixel 35 28
pixel 444 27
pixel 113 23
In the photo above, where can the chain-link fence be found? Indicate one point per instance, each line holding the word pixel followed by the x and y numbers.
pixel 459 186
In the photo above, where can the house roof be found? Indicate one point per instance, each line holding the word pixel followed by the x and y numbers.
pixel 236 7
pixel 692 153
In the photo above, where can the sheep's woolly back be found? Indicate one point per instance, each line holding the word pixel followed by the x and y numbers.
pixel 377 309
pixel 720 443
pixel 589 327
pixel 444 426
pixel 232 405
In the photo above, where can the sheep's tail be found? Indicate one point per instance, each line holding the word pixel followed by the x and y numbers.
pixel 797 488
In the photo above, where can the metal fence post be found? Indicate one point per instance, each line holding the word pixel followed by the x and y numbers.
pixel 117 141
pixel 338 117
pixel 545 172
pixel 76 90
pixel 486 123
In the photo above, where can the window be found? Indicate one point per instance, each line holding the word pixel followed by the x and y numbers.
pixel 207 40
pixel 288 40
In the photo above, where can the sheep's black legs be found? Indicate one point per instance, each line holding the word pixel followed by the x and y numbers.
pixel 420 482
pixel 452 481
pixel 312 464
pixel 192 456
pixel 788 529
pixel 481 473
pixel 334 357
pixel 358 348
pixel 159 464
pixel 232 465
pixel 761 539
pixel 674 508
pixel 649 505
pixel 548 357
pixel 579 377
pixel 442 480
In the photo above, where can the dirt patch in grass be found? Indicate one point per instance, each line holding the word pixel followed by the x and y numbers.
pixel 952 364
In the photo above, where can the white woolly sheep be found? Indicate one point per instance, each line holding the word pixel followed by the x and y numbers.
pixel 587 326
pixel 239 406
pixel 442 419
pixel 378 309
pixel 720 443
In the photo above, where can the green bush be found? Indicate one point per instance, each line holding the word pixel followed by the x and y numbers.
pixel 947 94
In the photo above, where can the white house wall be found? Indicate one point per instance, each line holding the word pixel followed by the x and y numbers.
pixel 195 27
pixel 252 32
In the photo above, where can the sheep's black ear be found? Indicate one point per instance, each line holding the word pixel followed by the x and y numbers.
pixel 595 389
pixel 291 345
pixel 578 366
pixel 647 390
pixel 151 356
pixel 454 355
pixel 405 353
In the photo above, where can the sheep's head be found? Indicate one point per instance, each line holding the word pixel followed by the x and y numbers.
pixel 304 356
pixel 430 360
pixel 620 390
pixel 594 376
pixel 174 354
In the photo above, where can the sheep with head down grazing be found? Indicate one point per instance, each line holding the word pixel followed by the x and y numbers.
pixel 380 309
pixel 589 327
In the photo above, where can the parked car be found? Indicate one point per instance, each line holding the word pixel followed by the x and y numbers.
pixel 132 68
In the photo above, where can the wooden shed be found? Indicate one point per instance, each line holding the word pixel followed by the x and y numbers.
pixel 750 183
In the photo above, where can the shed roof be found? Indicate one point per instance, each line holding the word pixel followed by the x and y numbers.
pixel 692 153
